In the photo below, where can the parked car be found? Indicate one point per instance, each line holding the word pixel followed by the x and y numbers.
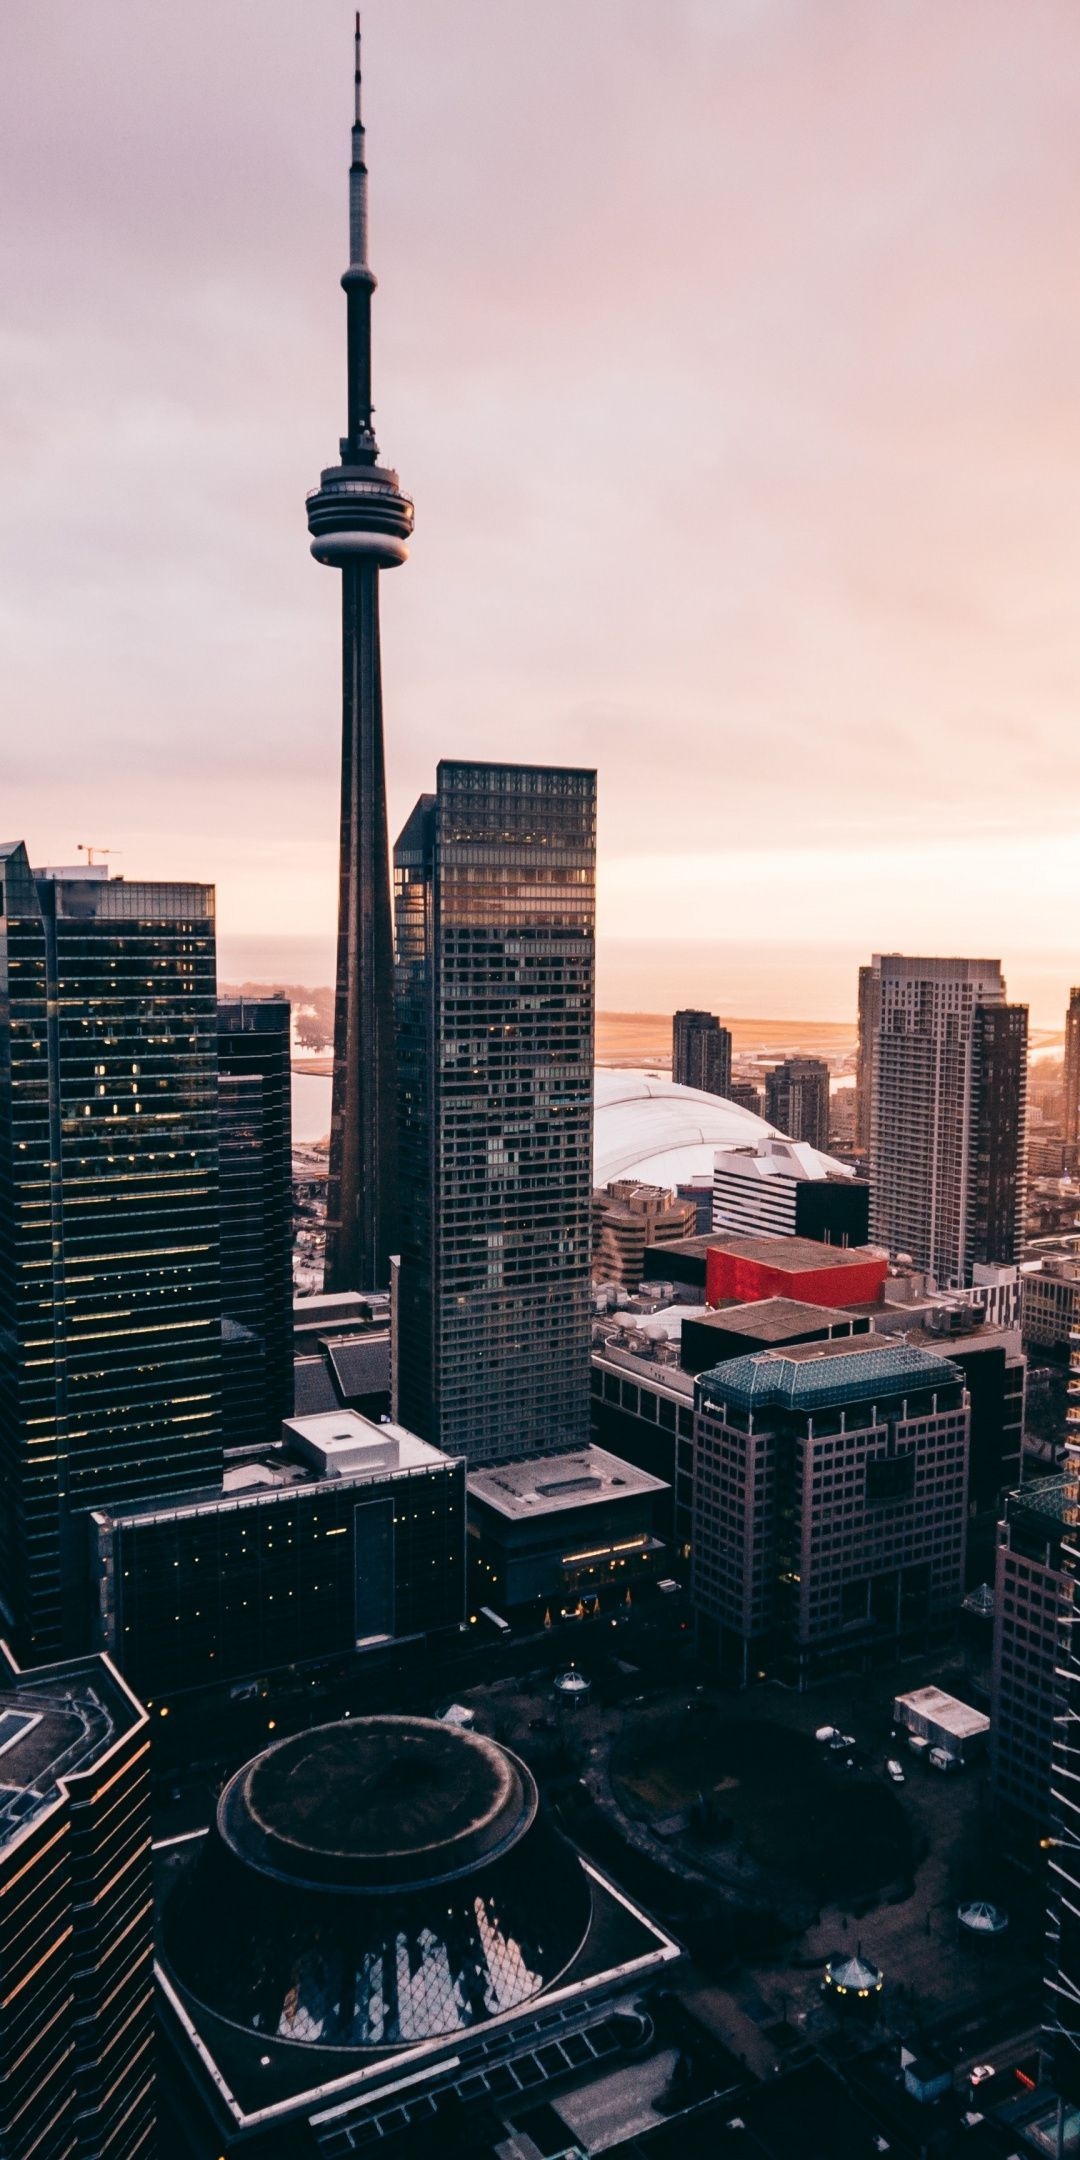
pixel 894 1770
pixel 939 1758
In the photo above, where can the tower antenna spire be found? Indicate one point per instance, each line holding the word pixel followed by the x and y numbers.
pixel 357 174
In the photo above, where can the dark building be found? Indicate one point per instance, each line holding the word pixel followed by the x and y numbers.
pixel 360 523
pixel 748 1096
pixel 344 1535
pixel 1032 1603
pixel 701 1052
pixel 1072 1069
pixel 829 1506
pixel 255 1168
pixel 767 1324
pixel 403 1947
pixel 999 1167
pixel 797 1099
pixel 562 1529
pixel 642 1410
pixel 495 902
pixel 786 1188
pixel 110 1295
pixel 76 1916
pixel 869 1006
pixel 1062 2020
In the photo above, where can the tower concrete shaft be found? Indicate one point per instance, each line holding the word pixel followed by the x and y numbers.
pixel 360 523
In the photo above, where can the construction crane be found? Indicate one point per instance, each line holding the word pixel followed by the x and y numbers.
pixel 93 854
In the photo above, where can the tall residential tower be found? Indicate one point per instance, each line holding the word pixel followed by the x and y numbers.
pixel 495 900
pixel 947 1138
pixel 360 523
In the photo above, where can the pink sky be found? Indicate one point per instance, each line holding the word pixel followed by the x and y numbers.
pixel 730 349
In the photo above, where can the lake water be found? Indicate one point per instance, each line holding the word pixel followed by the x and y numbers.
pixel 310 1106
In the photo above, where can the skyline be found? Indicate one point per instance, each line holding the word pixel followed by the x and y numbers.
pixel 781 377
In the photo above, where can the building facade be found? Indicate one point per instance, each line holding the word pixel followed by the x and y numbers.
pixel 787 1188
pixel 701 1052
pixel 1072 1069
pixel 947 1152
pixel 869 1000
pixel 344 1535
pixel 797 1099
pixel 76 1916
pixel 495 908
pixel 110 1293
pixel 255 1172
pixel 563 1532
pixel 1032 1601
pixel 829 1506
pixel 360 523
pixel 1050 1301
pixel 626 1218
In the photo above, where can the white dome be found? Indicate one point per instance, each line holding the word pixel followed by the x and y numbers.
pixel 648 1127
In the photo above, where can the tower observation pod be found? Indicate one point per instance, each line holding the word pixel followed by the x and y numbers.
pixel 360 523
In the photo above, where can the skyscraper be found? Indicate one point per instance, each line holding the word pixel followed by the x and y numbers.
pixel 76 1916
pixel 797 1099
pixel 110 1301
pixel 701 1052
pixel 1072 1068
pixel 360 523
pixel 948 1121
pixel 869 998
pixel 254 1084
pixel 495 905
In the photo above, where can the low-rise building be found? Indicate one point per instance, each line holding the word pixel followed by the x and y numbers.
pixel 788 1188
pixel 627 1218
pixel 643 1410
pixel 829 1506
pixel 1033 1594
pixel 562 1530
pixel 343 1534
pixel 1050 1300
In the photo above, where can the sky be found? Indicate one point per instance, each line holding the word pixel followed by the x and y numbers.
pixel 730 350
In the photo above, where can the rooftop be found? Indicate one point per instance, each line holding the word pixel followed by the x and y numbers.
pixel 1054 1500
pixel 795 1255
pixel 774 1318
pixel 648 1128
pixel 56 1722
pixel 816 1376
pixel 336 1444
pixel 552 1483
pixel 775 1158
pixel 947 1710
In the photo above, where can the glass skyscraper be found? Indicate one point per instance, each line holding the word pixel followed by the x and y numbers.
pixel 110 1299
pixel 255 1138
pixel 495 919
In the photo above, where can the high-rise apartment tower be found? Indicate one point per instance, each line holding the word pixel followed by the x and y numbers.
pixel 797 1099
pixel 495 902
pixel 1072 1068
pixel 701 1052
pixel 110 1296
pixel 869 999
pixel 360 523
pixel 947 1142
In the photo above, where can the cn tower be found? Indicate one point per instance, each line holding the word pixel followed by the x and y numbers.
pixel 360 523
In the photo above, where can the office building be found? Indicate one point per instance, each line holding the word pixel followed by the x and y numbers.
pixel 110 1294
pixel 76 1916
pixel 627 1217
pixel 797 1100
pixel 403 1946
pixel 495 901
pixel 787 1188
pixel 829 1507
pixel 1032 1601
pixel 360 523
pixel 701 1052
pixel 342 1536
pixel 744 1268
pixel 947 1154
pixel 1050 1301
pixel 563 1531
pixel 255 1171
pixel 1071 1113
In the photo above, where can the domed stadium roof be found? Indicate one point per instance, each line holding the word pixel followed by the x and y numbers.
pixel 381 1881
pixel 648 1127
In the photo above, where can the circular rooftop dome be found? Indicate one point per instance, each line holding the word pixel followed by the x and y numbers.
pixel 981 1918
pixel 375 1882
pixel 646 1126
